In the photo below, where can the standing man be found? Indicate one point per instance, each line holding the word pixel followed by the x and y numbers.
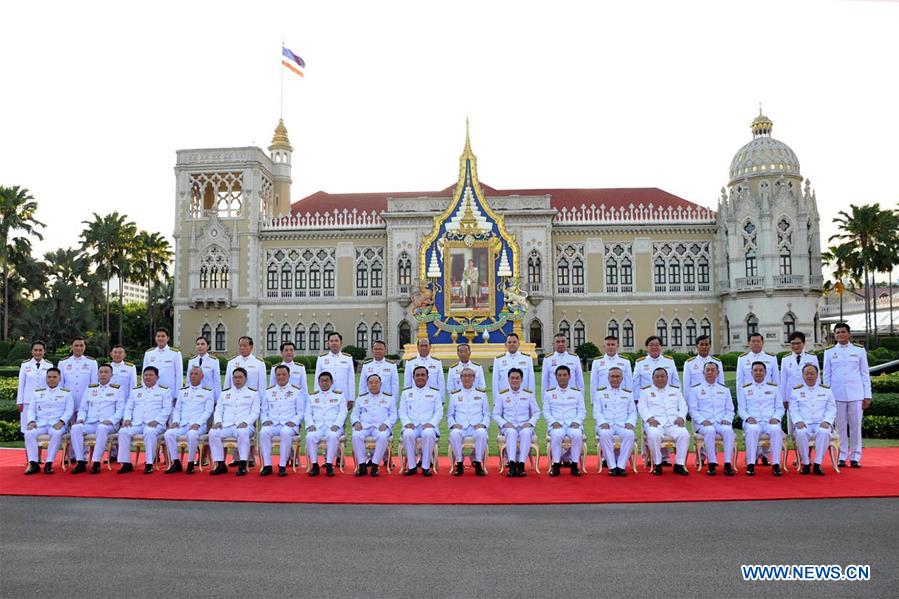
pixel 813 410
pixel 513 358
pixel 49 413
pixel 190 417
pixel 374 415
pixel 761 407
pixel 99 414
pixel 694 368
pixel 432 365
pixel 253 367
pixel 561 356
pixel 615 414
pixel 516 412
pixel 124 374
pixel 846 373
pixel 78 371
pixel 325 417
pixel 453 375
pixel 421 409
pixel 599 371
pixel 235 416
pixel 756 354
pixel 32 375
pixel 209 365
pixel 564 412
pixel 341 368
pixel 712 411
pixel 468 415
pixel 384 368
pixel 283 408
pixel 167 361
pixel 791 366
pixel 297 370
pixel 147 413
pixel 664 412
pixel 470 285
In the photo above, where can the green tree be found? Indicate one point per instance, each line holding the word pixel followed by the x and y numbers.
pixel 17 209
pixel 836 257
pixel 150 255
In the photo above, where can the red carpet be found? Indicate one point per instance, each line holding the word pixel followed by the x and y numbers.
pixel 876 479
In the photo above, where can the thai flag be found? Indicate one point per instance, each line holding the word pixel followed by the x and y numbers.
pixel 292 61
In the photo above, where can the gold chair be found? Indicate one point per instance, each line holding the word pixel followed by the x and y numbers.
pixel 504 456
pixel 404 459
pixel 699 444
pixel 667 443
pixel 322 446
pixel 202 443
pixel 833 450
pixel 467 446
pixel 43 442
pixel 765 443
pixel 370 442
pixel 276 442
pixel 138 445
pixel 616 443
pixel 566 446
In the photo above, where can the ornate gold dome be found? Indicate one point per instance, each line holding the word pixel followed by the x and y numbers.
pixel 280 141
pixel 761 125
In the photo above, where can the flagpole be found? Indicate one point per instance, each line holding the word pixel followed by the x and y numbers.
pixel 281 110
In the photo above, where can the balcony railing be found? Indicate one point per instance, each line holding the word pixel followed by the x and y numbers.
pixel 749 283
pixel 782 281
pixel 214 297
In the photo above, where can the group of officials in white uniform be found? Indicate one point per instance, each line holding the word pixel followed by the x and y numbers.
pixel 91 403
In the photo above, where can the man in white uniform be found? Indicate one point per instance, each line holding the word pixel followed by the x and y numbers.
pixel 643 377
pixel 325 418
pixel 190 417
pixel 812 410
pixel 374 415
pixel 283 408
pixel 168 361
pixel 744 370
pixel 561 356
pixel 209 364
pixel 384 368
pixel 431 364
pixel 341 368
pixel 100 414
pixel 453 380
pixel 235 416
pixel 420 412
pixel 252 366
pixel 513 359
pixel 694 368
pixel 599 371
pixel 49 413
pixel 78 371
pixel 616 415
pixel 792 364
pixel 564 412
pixel 664 412
pixel 712 411
pixel 147 413
pixel 468 415
pixel 297 370
pixel 846 373
pixel 32 375
pixel 124 374
pixel 516 412
pixel 761 406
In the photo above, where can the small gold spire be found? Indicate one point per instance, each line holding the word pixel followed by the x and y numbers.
pixel 761 125
pixel 280 140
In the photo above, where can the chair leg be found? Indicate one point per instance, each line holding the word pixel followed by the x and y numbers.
pixel 697 446
pixel 599 457
pixel 536 458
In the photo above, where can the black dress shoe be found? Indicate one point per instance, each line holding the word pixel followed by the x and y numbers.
pixel 713 469
pixel 806 469
pixel 604 465
pixel 282 471
pixel 411 471
pixel 511 469
pixel 679 469
pixel 174 467
pixel 842 463
pixel 776 471
pixel 765 461
pixel 657 470
pixel 750 470
pixel 329 469
pixel 817 470
pixel 234 464
pixel 575 471
pixel 854 464
pixel 314 470
pixel 459 469
pixel 613 471
pixel 520 472
pixel 220 468
pixel 80 467
pixel 33 468
pixel 95 468
pixel 361 470
pixel 148 468
pixel 478 469
pixel 242 468
pixel 190 468
pixel 373 470
pixel 621 471
pixel 666 464
pixel 48 468
pixel 728 469
pixel 555 469
pixel 126 468
pixel 266 471
pixel 426 472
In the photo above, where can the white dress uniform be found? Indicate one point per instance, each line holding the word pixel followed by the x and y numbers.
pixel 454 376
pixel 468 407
pixel 234 407
pixel 763 402
pixel 297 377
pixel 170 364
pixel 516 408
pixel 666 405
pixel 846 373
pixel 420 406
pixel 565 406
pixel 503 363
pixel 100 403
pixel 324 410
pixel 744 367
pixel 193 406
pixel 280 405
pixel 371 411
pixel 616 408
pixel 435 374
pixel 212 374
pixel 812 406
pixel 791 372
pixel 386 369
pixel 46 408
pixel 124 374
pixel 599 373
pixel 77 374
pixel 694 369
pixel 713 402
pixel 551 362
pixel 145 405
pixel 32 375
pixel 255 368
pixel 343 373
pixel 645 366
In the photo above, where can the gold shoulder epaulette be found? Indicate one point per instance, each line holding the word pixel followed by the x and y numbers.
pixel 323 354
pixel 481 389
pixel 186 387
pixel 825 386
pixel 551 389
pixel 94 385
pixel 409 387
pixel 798 387
pixel 691 359
pixel 269 387
pixel 571 353
pixel 455 364
pixel 503 391
pixel 696 385
pixel 828 347
pixel 90 358
pixel 163 387
pixel 314 393
pixel 207 388
pixel 639 359
pixel 114 385
pixel 745 353
pixel 772 384
pixel 129 363
pixel 858 345
pixel 531 390
pixel 454 392
pixel 435 388
pixel 336 391
pixel 343 353
pixel 66 390
pixel 141 386
pixel 363 394
pixel 747 385
pixel 42 389
pixel 577 389
pixel 252 389
pixel 173 348
pixel 473 363
pixel 26 361
pixel 626 390
pixel 769 354
pixel 646 387
pixel 387 393
pixel 295 387
pixel 500 356
pixel 602 388
pixel 368 360
pixel 667 356
pixel 390 361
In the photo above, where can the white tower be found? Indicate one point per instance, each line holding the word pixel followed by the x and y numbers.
pixel 281 151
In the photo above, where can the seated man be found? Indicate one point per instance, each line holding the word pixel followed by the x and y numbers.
pixel 615 414
pixel 812 410
pixel 664 413
pixel 516 412
pixel 421 409
pixel 235 416
pixel 564 412
pixel 712 411
pixel 190 417
pixel 325 418
pixel 374 415
pixel 761 407
pixel 100 414
pixel 468 415
pixel 48 413
pixel 283 407
pixel 146 413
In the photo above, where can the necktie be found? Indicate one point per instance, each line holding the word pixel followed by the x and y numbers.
pixel 797 358
pixel 38 364
pixel 201 361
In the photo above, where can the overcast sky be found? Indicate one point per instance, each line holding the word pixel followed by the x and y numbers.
pixel 98 96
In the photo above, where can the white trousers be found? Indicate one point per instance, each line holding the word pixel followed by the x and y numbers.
pixel 751 433
pixel 727 439
pixel 680 435
pixel 518 442
pixel 55 441
pixel 151 438
pixel 193 440
pixel 216 435
pixel 101 430
pixel 332 440
pixel 286 434
pixel 428 438
pixel 457 435
pixel 557 435
pixel 822 441
pixel 607 442
pixel 382 439
pixel 849 416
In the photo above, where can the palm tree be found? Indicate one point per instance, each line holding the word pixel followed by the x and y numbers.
pixel 17 208
pixel 151 254
pixel 835 256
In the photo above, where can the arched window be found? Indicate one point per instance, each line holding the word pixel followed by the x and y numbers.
pixel 689 273
pixel 299 280
pixel 662 331
pixel 706 328
pixel 749 249
pixel 405 334
pixel 299 337
pixel 286 280
pixel 577 276
pixel 627 333
pixel 221 338
pixel 286 333
pixel 580 334
pixel 613 329
pixel 369 273
pixel 752 325
pixel 314 337
pixel 206 333
pixel 328 280
pixel 627 273
pixel 535 333
pixel 789 325
pixel 326 332
pixel 534 270
pixel 674 273
pixel 660 272
pixel 691 332
pixel 563 275
pixel 271 338
pixel 677 333
pixel 362 336
pixel 377 333
pixel 377 279
pixel 214 269
pixel 752 269
pixel 315 280
pixel 271 283
pixel 565 329
pixel 204 277
pixel 404 270
pixel 703 274
pixel 362 279
pixel 786 263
